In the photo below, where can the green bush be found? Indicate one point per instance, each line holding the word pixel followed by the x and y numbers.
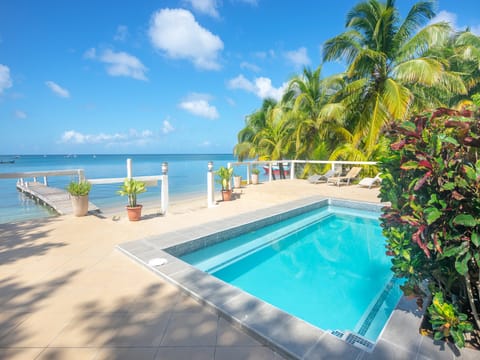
pixel 432 180
pixel 79 188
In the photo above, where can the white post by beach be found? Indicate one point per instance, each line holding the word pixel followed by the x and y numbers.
pixel 210 188
pixel 129 168
pixel 164 193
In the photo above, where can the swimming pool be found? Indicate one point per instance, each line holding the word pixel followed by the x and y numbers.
pixel 286 334
pixel 326 266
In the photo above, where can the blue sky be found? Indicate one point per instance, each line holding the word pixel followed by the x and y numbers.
pixel 159 76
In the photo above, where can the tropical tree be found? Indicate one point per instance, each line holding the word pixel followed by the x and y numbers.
pixel 316 118
pixel 255 122
pixel 387 60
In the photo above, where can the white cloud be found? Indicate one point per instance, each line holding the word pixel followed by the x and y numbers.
pixel 265 54
pixel 198 104
pixel 248 66
pixel 57 89
pixel 208 7
pixel 123 64
pixel 262 87
pixel 298 58
pixel 133 136
pixel 230 101
pixel 19 114
pixel 5 80
pixel 452 18
pixel 180 36
pixel 90 54
pixel 121 34
pixel 167 127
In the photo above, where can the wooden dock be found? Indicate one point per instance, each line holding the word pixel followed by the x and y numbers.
pixel 57 199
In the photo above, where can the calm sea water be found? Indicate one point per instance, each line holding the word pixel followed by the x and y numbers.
pixel 187 178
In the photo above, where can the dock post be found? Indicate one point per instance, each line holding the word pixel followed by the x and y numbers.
pixel 129 168
pixel 210 190
pixel 45 182
pixel 164 192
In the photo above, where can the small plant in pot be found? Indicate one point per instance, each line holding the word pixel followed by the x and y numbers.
pixel 255 174
pixel 224 177
pixel 132 188
pixel 79 194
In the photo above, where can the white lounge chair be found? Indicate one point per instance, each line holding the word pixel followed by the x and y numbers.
pixel 352 174
pixel 317 178
pixel 369 182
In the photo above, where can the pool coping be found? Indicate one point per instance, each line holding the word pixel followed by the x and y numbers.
pixel 286 334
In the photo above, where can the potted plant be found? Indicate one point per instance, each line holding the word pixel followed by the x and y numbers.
pixel 255 174
pixel 224 177
pixel 131 188
pixel 79 194
pixel 237 181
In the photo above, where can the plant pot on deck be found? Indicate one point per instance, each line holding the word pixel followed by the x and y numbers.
pixel 226 195
pixel 134 212
pixel 237 182
pixel 79 204
pixel 254 179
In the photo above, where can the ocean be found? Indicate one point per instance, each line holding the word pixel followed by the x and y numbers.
pixel 187 178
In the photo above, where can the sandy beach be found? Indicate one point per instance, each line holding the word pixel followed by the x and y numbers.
pixel 68 293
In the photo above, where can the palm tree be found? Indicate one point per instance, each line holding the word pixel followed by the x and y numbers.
pixel 308 98
pixel 275 141
pixel 255 122
pixel 387 59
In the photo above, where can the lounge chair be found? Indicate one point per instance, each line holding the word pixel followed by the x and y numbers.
pixel 368 181
pixel 352 174
pixel 317 178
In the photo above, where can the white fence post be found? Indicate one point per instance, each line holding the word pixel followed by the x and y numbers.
pixel 269 171
pixel 129 168
pixel 210 187
pixel 292 170
pixel 164 193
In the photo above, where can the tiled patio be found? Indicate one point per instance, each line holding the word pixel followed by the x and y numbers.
pixel 68 293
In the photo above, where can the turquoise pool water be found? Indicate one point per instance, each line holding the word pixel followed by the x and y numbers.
pixel 327 267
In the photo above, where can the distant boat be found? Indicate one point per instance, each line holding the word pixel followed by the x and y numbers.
pixel 276 170
pixel 7 161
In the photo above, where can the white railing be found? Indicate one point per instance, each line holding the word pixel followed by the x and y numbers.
pixel 21 176
pixel 290 165
pixel 150 180
pixel 80 174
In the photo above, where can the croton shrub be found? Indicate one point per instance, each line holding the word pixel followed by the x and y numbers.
pixel 432 180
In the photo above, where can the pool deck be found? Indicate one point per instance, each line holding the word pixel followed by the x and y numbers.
pixel 68 292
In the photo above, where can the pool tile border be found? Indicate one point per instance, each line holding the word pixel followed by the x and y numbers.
pixel 290 336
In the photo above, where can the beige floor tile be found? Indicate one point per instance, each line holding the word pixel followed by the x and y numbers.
pixel 126 354
pixel 141 330
pixel 191 329
pixel 90 331
pixel 38 330
pixel 20 353
pixel 67 353
pixel 185 353
pixel 10 320
pixel 244 353
pixel 227 335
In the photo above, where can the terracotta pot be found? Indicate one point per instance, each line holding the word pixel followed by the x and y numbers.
pixel 254 179
pixel 79 204
pixel 226 195
pixel 134 213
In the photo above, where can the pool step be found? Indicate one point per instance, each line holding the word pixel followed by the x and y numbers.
pixel 354 339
